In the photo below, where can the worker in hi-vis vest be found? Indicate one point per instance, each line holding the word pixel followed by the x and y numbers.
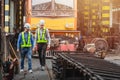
pixel 42 40
pixel 25 46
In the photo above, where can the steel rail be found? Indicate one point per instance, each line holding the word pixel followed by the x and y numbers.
pixel 95 67
pixel 80 66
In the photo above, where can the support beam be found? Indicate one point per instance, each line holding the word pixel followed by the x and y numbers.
pixel 75 8
pixel 1 41
pixel 111 15
pixel 20 13
pixel 28 11
pixel 7 12
pixel 53 5
pixel 12 15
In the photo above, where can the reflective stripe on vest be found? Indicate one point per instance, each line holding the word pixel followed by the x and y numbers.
pixel 24 43
pixel 41 40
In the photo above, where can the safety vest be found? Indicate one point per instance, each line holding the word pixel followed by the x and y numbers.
pixel 42 39
pixel 24 42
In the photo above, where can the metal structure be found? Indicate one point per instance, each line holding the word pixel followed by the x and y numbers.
pixel 1 41
pixel 93 16
pixel 83 66
pixel 9 60
pixel 52 9
pixel 54 12
pixel 46 11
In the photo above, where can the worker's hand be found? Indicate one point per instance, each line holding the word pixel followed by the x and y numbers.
pixel 48 47
pixel 33 49
pixel 18 50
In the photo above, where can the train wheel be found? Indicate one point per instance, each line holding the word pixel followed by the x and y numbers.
pixel 100 44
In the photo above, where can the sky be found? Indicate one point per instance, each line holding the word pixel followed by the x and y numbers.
pixel 65 2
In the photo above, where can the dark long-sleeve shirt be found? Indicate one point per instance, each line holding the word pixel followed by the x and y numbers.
pixel 19 42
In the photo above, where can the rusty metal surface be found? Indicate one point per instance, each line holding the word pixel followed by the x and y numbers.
pixel 91 61
pixel 100 67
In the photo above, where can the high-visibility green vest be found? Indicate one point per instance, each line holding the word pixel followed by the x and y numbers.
pixel 26 43
pixel 41 40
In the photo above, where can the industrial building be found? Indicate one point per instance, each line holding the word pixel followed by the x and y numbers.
pixel 92 21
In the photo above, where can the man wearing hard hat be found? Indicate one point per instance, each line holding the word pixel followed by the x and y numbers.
pixel 25 45
pixel 42 40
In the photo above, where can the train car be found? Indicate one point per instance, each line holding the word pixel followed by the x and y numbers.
pixel 60 18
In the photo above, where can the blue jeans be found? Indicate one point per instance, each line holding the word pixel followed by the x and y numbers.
pixel 26 52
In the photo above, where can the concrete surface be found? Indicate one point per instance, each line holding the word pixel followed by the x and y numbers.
pixel 37 74
pixel 113 58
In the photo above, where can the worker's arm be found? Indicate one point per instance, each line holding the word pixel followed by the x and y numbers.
pixel 19 41
pixel 48 36
pixel 35 41
pixel 32 41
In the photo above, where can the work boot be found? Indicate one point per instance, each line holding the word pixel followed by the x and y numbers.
pixel 43 68
pixel 21 70
pixel 30 71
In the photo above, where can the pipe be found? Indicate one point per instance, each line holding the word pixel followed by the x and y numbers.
pixel 28 11
pixel 75 8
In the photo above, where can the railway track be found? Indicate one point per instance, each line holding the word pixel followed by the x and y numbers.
pixel 84 66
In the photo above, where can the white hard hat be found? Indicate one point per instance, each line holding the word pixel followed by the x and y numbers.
pixel 27 25
pixel 42 22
